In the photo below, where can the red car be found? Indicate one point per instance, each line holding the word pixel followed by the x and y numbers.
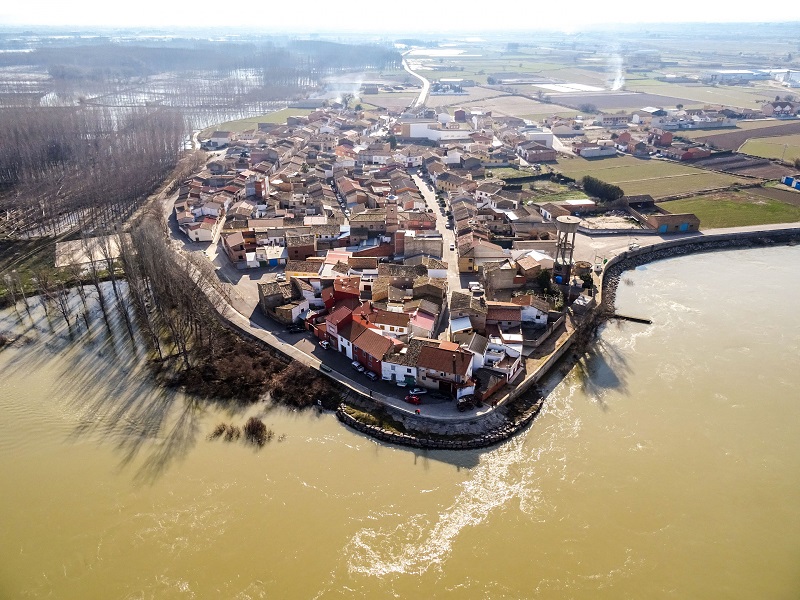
pixel 413 400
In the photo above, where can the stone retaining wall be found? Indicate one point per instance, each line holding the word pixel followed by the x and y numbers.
pixel 489 438
pixel 722 241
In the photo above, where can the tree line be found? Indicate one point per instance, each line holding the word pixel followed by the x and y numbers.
pixel 68 168
pixel 606 192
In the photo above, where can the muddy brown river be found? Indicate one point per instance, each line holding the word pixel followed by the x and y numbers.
pixel 667 465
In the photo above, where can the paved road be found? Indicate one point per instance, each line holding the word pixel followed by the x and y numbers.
pixel 426 85
pixel 589 247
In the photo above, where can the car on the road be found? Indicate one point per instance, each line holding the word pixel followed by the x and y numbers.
pixel 449 226
pixel 324 344
pixel 280 277
pixel 357 366
pixel 402 384
pixel 452 247
pixel 411 399
pixel 371 376
pixel 418 391
pixel 295 328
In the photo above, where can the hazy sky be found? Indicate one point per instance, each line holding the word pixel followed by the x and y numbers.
pixel 377 17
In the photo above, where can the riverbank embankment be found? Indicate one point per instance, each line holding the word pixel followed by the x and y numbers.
pixel 630 259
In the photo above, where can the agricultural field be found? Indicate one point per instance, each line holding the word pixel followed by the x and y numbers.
pixel 785 147
pixel 740 126
pixel 779 192
pixel 516 106
pixel 733 140
pixel 698 93
pixel 392 100
pixel 550 110
pixel 641 176
pixel 741 164
pixel 240 125
pixel 735 209
pixel 620 100
pixel 472 97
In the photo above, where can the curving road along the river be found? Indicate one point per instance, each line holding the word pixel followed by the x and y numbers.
pixel 426 85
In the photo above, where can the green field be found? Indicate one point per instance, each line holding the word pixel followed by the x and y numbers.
pixel 786 147
pixel 239 125
pixel 641 176
pixel 735 209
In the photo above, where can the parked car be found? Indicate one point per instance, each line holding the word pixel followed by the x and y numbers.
pixel 418 391
pixel 280 277
pixel 402 384
pixel 466 403
pixel 357 366
pixel 411 399
pixel 371 376
pixel 295 328
pixel 324 344
pixel 452 247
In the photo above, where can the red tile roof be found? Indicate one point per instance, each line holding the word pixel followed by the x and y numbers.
pixel 439 359
pixel 503 311
pixel 373 344
pixel 339 315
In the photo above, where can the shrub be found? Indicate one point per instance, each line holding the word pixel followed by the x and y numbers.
pixel 256 432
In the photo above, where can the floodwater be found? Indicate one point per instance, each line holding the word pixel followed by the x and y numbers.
pixel 666 466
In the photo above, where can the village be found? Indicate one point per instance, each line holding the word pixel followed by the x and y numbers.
pixel 382 244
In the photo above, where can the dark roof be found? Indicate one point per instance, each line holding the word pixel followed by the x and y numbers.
pixel 303 266
pixel 461 302
pixel 299 240
pixel 409 271
pixel 351 331
pixel 386 317
pixel 478 343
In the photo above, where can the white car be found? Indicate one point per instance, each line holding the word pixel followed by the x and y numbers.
pixel 418 391
pixel 452 247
